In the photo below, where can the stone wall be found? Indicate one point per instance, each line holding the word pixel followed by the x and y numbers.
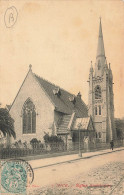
pixel 44 109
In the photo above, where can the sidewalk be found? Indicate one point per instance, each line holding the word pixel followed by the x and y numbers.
pixel 40 163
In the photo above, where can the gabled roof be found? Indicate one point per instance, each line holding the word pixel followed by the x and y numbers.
pixel 83 122
pixel 62 101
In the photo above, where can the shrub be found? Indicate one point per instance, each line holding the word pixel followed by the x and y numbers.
pixel 53 141
pixel 36 143
pixel 52 138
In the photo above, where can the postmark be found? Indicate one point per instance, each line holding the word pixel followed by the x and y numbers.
pixel 16 175
pixel 10 17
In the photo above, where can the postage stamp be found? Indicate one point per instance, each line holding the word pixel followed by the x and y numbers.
pixel 16 175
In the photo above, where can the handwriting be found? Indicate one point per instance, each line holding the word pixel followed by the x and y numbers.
pixel 10 16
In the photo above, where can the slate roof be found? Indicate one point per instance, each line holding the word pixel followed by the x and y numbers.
pixel 63 124
pixel 62 102
pixel 84 122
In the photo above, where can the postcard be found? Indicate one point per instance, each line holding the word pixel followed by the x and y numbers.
pixel 61 97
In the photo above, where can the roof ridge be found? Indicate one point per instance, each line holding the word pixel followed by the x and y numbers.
pixel 54 84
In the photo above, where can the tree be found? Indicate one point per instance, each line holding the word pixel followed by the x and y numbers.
pixel 6 123
pixel 119 123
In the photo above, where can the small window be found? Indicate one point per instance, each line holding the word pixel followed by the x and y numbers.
pixel 96 134
pixel 99 134
pixel 99 110
pixel 95 110
pixel 98 92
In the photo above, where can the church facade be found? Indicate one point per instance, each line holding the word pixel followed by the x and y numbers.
pixel 101 97
pixel 41 107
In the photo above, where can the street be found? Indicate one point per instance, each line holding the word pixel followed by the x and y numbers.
pixel 96 176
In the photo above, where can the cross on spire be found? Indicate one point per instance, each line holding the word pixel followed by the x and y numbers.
pixel 30 67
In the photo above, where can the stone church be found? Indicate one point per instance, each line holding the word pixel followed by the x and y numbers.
pixel 101 97
pixel 41 107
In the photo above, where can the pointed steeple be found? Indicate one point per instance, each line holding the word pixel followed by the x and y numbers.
pixel 91 67
pixel 100 47
pixel 100 56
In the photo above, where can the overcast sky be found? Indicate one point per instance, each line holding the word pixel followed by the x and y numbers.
pixel 59 38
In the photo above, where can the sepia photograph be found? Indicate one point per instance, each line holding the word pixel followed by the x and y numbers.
pixel 61 97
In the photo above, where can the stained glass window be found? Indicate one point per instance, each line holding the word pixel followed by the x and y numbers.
pixel 29 117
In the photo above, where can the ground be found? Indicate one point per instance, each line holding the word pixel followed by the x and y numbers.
pixel 94 176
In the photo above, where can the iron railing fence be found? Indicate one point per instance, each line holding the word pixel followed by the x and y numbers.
pixel 56 148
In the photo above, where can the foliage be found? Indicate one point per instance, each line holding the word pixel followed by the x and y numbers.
pixel 6 123
pixel 46 138
pixel 25 144
pixel 119 123
pixel 55 142
pixel 1 145
pixel 34 140
pixel 17 144
pixel 52 138
pixel 36 143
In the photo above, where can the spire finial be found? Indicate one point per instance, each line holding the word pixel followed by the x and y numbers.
pixel 30 67
pixel 91 68
pixel 109 66
pixel 79 95
pixel 91 64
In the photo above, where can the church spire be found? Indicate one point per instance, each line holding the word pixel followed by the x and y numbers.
pixel 100 47
pixel 100 56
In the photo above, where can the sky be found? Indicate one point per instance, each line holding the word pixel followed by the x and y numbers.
pixel 59 39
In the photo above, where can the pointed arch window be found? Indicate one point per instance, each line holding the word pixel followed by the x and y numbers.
pixel 98 92
pixel 29 117
pixel 99 134
pixel 95 110
pixel 99 109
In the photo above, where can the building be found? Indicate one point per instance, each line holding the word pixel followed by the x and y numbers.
pixel 41 107
pixel 101 97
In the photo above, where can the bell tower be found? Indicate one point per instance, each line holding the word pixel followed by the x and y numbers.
pixel 101 97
